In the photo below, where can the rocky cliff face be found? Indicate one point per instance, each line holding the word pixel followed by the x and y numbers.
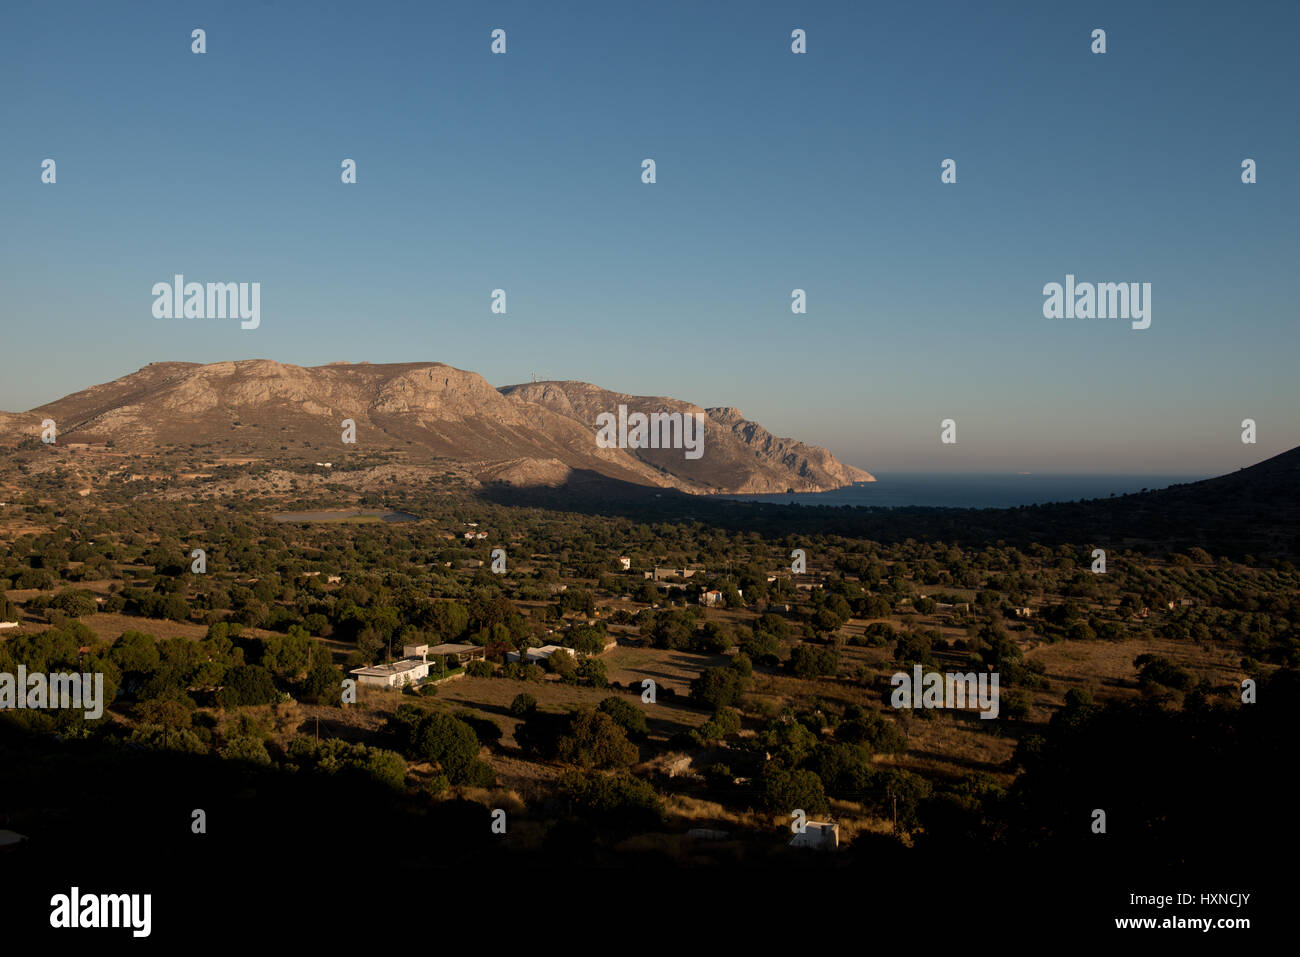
pixel 539 433
pixel 739 456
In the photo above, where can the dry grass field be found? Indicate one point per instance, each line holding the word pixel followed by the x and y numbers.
pixel 668 669
pixel 1106 667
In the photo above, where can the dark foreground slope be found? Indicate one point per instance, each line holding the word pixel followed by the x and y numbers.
pixel 1254 511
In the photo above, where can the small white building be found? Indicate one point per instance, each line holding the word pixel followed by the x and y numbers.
pixel 536 656
pixel 396 675
pixel 711 598
pixel 819 835
pixel 624 563
pixel 8 624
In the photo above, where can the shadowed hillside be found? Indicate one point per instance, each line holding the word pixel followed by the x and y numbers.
pixel 1251 511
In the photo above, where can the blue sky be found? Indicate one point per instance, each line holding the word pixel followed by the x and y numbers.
pixel 775 171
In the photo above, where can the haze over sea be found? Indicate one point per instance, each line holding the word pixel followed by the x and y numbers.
pixel 976 490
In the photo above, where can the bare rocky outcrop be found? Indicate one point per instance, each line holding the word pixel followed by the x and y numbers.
pixel 534 434
pixel 740 456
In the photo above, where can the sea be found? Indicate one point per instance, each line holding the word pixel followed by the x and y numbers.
pixel 976 490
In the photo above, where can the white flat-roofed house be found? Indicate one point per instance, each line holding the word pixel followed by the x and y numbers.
pixel 820 835
pixel 535 656
pixel 395 675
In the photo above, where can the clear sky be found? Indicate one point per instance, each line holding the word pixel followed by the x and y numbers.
pixel 819 171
